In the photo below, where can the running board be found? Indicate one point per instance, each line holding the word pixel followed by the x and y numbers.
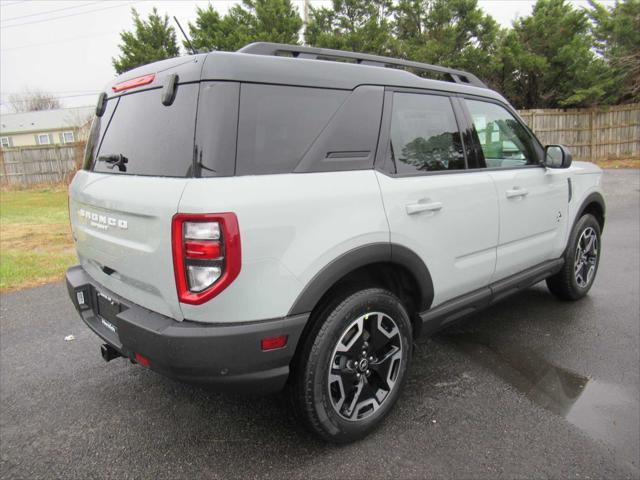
pixel 459 307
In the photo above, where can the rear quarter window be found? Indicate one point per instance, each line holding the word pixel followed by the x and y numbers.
pixel 277 124
pixel 156 139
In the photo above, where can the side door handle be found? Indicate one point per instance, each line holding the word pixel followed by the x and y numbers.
pixel 413 208
pixel 517 192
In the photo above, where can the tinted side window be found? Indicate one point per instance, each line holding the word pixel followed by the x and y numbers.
pixel 424 134
pixel 504 141
pixel 277 124
pixel 156 139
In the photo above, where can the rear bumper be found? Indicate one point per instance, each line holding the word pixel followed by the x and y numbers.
pixel 227 356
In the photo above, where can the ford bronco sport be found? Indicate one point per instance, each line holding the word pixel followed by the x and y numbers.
pixel 287 216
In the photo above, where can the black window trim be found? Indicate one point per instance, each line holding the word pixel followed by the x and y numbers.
pixel 382 162
pixel 514 113
pixel 463 118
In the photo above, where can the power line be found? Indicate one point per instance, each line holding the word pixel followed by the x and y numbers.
pixel 71 39
pixel 52 98
pixel 70 15
pixel 87 92
pixel 49 11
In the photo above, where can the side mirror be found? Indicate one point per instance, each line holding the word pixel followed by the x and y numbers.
pixel 557 156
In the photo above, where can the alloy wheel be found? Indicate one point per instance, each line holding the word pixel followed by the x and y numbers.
pixel 586 257
pixel 365 365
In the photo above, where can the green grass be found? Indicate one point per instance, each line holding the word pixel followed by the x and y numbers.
pixel 35 237
pixel 35 207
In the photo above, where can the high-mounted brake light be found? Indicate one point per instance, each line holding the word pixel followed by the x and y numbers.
pixel 206 254
pixel 134 83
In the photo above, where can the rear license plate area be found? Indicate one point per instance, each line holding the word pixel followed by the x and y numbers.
pixel 107 311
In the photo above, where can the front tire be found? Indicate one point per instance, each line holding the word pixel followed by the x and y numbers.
pixel 581 261
pixel 352 366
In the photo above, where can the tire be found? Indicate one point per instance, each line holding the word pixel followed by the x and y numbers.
pixel 331 368
pixel 574 281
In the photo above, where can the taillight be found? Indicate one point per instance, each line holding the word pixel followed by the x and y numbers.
pixel 206 254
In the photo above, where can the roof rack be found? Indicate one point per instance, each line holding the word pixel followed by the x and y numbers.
pixel 313 53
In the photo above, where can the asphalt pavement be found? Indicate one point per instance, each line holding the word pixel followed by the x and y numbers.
pixel 530 388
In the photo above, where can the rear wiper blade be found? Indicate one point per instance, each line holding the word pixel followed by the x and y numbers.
pixel 115 160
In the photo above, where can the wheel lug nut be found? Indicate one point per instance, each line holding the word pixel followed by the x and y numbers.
pixel 358 375
pixel 371 359
pixel 364 353
pixel 368 372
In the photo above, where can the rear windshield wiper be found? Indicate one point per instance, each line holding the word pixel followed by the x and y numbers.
pixel 115 160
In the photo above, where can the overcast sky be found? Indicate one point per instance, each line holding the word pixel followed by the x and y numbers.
pixel 65 47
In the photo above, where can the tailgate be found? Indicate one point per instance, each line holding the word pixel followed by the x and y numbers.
pixel 122 229
pixel 139 158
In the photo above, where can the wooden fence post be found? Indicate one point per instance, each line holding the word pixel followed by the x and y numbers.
pixel 533 120
pixel 592 125
pixel 5 177
pixel 60 171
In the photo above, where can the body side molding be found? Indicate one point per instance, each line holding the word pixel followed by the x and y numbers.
pixel 459 307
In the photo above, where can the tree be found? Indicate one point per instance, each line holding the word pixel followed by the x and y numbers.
pixel 152 40
pixel 617 40
pixel 453 33
pixel 253 20
pixel 356 25
pixel 33 100
pixel 550 59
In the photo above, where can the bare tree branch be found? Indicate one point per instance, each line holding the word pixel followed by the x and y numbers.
pixel 33 100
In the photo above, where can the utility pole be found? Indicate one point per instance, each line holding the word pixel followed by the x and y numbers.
pixel 306 17
pixel 306 12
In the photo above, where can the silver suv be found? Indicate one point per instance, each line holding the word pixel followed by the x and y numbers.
pixel 286 216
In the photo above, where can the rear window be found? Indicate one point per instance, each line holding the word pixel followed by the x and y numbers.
pixel 277 124
pixel 154 139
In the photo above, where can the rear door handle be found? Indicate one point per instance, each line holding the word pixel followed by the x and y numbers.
pixel 413 208
pixel 516 192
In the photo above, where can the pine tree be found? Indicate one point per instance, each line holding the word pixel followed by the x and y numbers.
pixel 252 21
pixel 356 25
pixel 151 40
pixel 617 39
pixel 453 33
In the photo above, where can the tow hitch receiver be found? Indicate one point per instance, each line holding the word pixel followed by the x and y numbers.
pixel 108 352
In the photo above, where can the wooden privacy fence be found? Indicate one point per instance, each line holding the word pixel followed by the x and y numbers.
pixel 23 166
pixel 601 133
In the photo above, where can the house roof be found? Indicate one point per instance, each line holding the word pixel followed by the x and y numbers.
pixel 44 120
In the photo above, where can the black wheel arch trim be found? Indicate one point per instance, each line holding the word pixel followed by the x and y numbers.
pixel 361 257
pixel 593 197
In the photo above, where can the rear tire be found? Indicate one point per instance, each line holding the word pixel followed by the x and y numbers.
pixel 352 365
pixel 581 261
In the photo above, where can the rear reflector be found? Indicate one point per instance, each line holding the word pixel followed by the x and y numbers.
pixel 134 82
pixel 142 360
pixel 272 343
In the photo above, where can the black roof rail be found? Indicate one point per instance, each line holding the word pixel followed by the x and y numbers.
pixel 313 53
